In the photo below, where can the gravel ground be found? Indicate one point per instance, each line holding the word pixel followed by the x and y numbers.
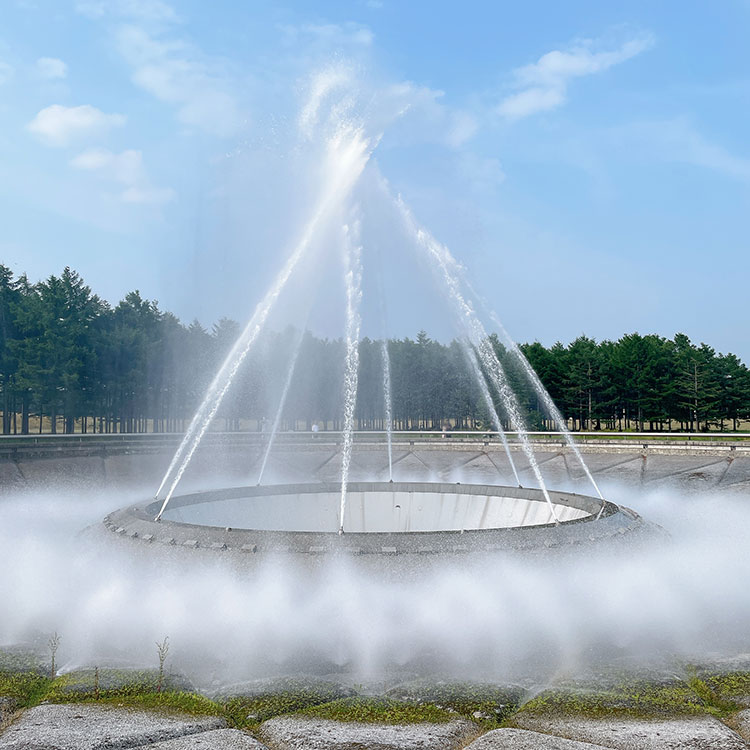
pixel 220 739
pixel 318 734
pixel 521 739
pixel 694 733
pixel 80 727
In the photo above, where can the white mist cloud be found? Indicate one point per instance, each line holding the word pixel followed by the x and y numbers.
pixel 127 169
pixel 490 616
pixel 329 35
pixel 143 10
pixel 677 140
pixel 543 85
pixel 51 68
pixel 58 125
pixel 175 73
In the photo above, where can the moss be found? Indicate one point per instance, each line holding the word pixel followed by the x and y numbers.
pixel 112 683
pixel 171 702
pixel 380 711
pixel 634 698
pixel 284 696
pixel 24 688
pixel 489 704
pixel 728 685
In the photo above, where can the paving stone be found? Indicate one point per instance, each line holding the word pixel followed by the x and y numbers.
pixel 692 733
pixel 79 727
pixel 742 722
pixel 219 739
pixel 284 733
pixel 522 739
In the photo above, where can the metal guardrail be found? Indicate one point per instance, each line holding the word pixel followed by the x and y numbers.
pixel 140 441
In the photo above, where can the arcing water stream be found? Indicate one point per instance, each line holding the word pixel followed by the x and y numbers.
pixel 479 339
pixel 282 402
pixel 471 357
pixel 388 403
pixel 347 153
pixel 353 280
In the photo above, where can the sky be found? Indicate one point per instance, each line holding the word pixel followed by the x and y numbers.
pixel 587 162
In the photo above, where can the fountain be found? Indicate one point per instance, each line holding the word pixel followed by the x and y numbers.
pixel 381 518
pixel 362 516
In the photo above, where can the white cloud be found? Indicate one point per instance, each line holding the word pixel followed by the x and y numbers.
pixel 176 74
pixel 51 68
pixel 144 195
pixel 424 117
pixel 329 35
pixel 543 85
pixel 677 140
pixel 58 125
pixel 142 10
pixel 6 73
pixel 125 169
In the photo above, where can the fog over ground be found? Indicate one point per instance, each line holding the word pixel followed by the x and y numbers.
pixel 489 618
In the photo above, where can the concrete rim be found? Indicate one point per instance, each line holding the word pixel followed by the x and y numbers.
pixel 605 521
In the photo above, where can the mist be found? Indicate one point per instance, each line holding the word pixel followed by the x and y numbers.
pixel 676 601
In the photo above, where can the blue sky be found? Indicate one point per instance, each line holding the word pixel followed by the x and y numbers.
pixel 588 162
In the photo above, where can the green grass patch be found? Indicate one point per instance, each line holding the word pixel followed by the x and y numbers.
pixel 637 698
pixel 284 696
pixel 170 702
pixel 490 705
pixel 727 692
pixel 112 683
pixel 24 688
pixel 379 711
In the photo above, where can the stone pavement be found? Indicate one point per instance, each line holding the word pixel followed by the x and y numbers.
pixel 693 733
pixel 94 727
pixel 86 727
pixel 318 734
pixel 521 739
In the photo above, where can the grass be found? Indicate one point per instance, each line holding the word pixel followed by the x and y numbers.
pixel 287 695
pixel 635 698
pixel 488 704
pixel 111 683
pixel 165 702
pixel 723 689
pixel 379 711
pixel 25 689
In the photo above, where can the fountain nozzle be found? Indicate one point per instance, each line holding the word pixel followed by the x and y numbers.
pixel 341 531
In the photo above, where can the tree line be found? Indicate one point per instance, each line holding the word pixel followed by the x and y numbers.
pixel 71 362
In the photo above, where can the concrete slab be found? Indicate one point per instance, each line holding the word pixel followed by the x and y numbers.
pixel 742 723
pixel 11 478
pixel 219 739
pixel 660 467
pixel 64 473
pixel 87 727
pixel 738 471
pixel 409 466
pixel 689 733
pixel 481 469
pixel 522 739
pixel 317 734
pixel 700 476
